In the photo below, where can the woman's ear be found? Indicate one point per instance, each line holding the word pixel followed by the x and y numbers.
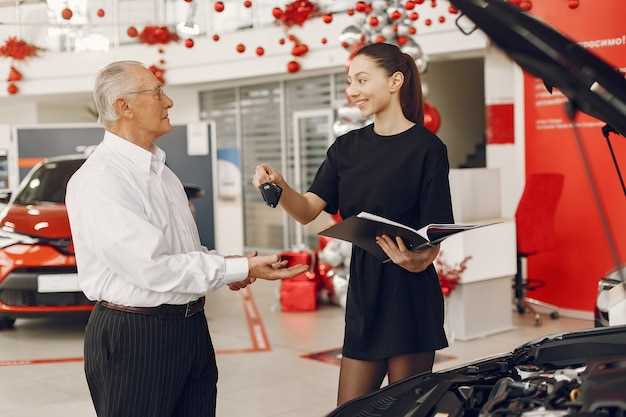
pixel 395 81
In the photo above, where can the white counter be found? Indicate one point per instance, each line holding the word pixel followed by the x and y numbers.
pixel 482 303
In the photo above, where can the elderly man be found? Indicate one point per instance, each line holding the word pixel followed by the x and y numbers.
pixel 147 346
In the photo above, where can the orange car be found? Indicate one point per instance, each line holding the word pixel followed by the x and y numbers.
pixel 37 264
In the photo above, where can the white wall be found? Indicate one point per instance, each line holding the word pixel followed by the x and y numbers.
pixel 504 85
pixel 56 86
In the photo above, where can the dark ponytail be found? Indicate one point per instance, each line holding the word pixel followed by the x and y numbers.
pixel 392 60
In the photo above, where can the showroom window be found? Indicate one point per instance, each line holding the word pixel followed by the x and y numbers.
pixel 265 123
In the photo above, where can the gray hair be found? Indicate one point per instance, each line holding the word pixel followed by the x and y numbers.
pixel 113 82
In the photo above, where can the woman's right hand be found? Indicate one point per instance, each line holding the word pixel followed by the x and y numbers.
pixel 265 173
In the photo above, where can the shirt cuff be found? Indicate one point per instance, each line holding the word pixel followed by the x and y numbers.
pixel 236 269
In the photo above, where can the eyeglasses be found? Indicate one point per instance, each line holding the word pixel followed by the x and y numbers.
pixel 158 92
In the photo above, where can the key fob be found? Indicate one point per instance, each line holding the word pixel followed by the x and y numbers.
pixel 271 193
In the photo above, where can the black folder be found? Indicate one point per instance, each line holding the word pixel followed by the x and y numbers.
pixel 362 230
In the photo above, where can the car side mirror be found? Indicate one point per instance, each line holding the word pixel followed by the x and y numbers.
pixel 5 196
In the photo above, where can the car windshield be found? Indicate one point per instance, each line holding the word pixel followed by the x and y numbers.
pixel 48 183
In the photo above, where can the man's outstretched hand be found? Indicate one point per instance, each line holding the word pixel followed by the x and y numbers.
pixel 269 268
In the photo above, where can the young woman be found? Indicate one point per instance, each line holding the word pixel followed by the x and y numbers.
pixel 397 169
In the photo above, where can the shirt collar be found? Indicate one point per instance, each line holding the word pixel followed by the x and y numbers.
pixel 141 159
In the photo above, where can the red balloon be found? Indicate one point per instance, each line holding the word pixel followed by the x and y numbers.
pixel 189 43
pixel 300 50
pixel 100 13
pixel 350 11
pixel 219 6
pixel 14 75
pixel 396 15
pixel 328 18
pixel 361 6
pixel 132 32
pixel 67 13
pixel 281 41
pixel 442 19
pixel 260 51
pixel 573 4
pixel 412 30
pixel 409 5
pixel 432 118
pixel 247 4
pixel 526 5
pixel 324 41
pixel 453 10
pixel 414 16
pixel 12 89
pixel 293 66
pixel 216 37
pixel 277 12
pixel 241 48
pixel 380 39
pixel 402 40
pixel 428 22
pixel 373 21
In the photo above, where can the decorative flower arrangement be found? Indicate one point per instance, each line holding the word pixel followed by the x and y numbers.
pixel 153 35
pixel 449 275
pixel 17 50
pixel 295 13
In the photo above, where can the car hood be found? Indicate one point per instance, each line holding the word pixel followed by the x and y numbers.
pixel 45 220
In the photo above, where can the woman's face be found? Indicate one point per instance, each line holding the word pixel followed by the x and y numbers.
pixel 369 86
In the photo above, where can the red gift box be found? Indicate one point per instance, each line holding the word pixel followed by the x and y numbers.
pixel 296 258
pixel 299 293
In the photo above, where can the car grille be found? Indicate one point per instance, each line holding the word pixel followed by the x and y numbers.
pixel 30 297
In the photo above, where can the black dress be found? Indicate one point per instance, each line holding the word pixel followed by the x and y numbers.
pixel 404 177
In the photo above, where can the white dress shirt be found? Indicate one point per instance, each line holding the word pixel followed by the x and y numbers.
pixel 135 238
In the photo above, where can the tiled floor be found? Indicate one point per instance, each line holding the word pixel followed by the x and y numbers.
pixel 275 382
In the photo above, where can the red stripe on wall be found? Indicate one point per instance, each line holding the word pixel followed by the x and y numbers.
pixel 499 124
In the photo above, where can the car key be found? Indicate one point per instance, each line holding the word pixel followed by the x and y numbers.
pixel 271 193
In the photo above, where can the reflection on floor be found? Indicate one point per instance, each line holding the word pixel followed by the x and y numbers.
pixel 264 371
pixel 333 357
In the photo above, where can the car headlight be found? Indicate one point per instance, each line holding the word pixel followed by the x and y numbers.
pixel 8 238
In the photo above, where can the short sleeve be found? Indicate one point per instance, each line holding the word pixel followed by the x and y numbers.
pixel 326 182
pixel 435 199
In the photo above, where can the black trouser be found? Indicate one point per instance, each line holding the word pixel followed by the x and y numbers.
pixel 149 365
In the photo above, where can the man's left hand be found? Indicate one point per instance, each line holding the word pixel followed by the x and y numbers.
pixel 412 261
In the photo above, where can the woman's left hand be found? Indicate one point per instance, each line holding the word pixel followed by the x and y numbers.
pixel 412 261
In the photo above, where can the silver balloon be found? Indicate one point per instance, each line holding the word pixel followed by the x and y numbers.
pixel 350 36
pixel 412 49
pixel 360 19
pixel 403 30
pixel 380 5
pixel 341 128
pixel 387 32
pixel 350 114
pixel 422 64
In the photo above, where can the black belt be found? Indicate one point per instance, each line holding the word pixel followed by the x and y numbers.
pixel 171 310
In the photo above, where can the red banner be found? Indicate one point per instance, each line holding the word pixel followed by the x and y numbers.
pixel 582 256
